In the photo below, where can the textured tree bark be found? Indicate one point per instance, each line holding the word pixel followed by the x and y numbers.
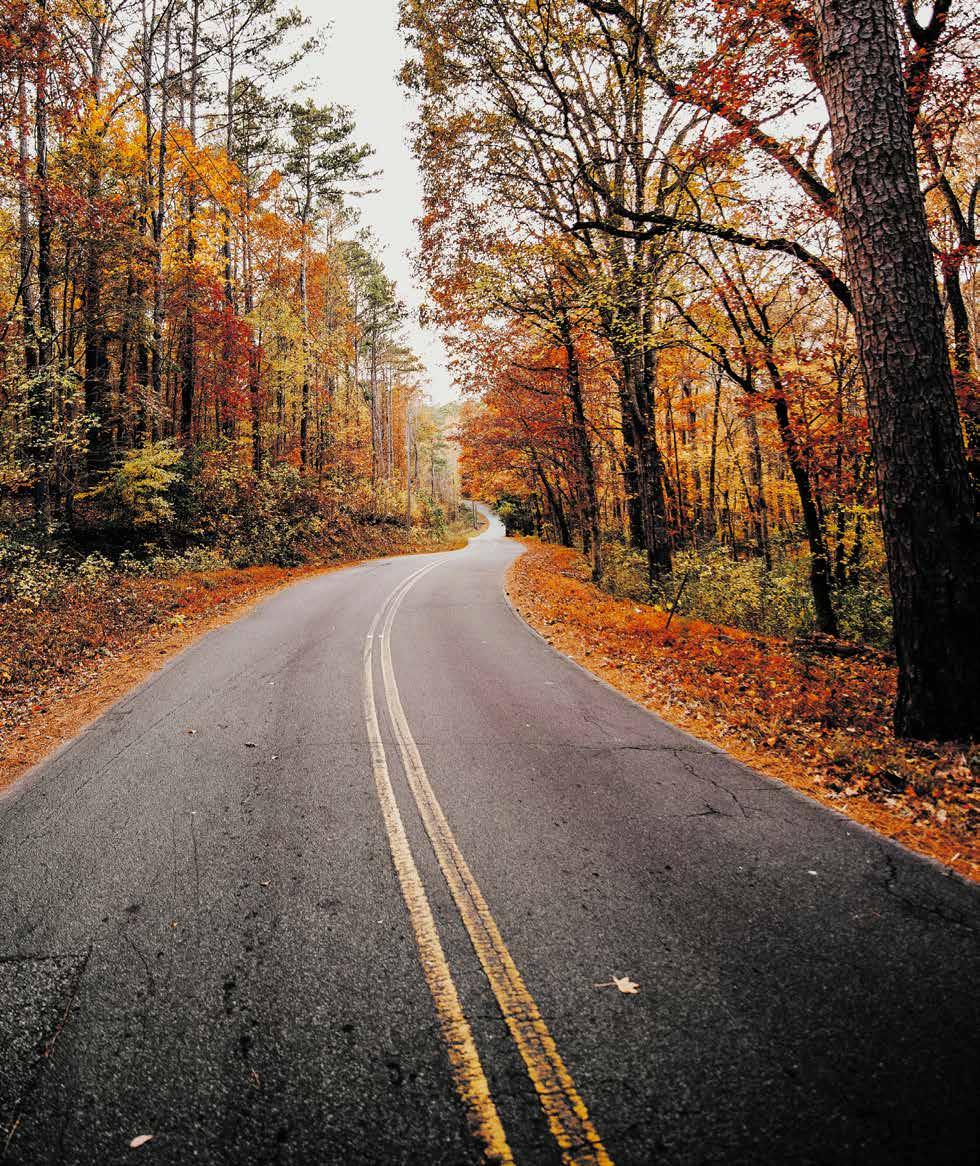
pixel 929 523
pixel 649 505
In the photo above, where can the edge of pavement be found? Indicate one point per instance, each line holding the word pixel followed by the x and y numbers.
pixel 801 795
pixel 71 714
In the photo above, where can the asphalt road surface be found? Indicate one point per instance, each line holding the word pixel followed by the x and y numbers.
pixel 339 883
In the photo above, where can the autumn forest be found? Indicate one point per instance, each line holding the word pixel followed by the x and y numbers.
pixel 489 582
pixel 712 269
pixel 706 273
pixel 201 347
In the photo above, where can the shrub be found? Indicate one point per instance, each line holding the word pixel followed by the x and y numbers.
pixel 138 493
pixel 28 574
pixel 515 514
pixel 723 589
pixel 276 518
pixel 433 517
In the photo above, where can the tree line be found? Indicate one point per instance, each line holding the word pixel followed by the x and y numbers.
pixel 184 290
pixel 711 268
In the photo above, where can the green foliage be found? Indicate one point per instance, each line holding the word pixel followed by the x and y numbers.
pixel 740 592
pixel 864 607
pixel 35 576
pixel 515 514
pixel 276 518
pixel 138 493
pixel 434 517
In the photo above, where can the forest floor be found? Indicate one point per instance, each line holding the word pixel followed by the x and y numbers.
pixel 816 721
pixel 63 663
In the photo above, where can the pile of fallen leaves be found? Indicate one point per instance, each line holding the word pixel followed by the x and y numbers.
pixel 795 710
pixel 66 659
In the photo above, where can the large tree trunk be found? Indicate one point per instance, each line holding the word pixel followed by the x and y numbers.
pixel 643 476
pixel 649 505
pixel 925 496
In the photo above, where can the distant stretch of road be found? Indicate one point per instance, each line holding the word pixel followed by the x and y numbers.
pixel 350 879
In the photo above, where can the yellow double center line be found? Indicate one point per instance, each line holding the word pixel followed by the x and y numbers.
pixel 568 1118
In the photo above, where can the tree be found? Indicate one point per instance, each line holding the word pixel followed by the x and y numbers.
pixel 323 161
pixel 927 505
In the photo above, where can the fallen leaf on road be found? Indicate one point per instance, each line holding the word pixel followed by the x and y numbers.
pixel 623 983
pixel 140 1140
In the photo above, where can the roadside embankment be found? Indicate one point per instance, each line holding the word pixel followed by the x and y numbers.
pixel 817 721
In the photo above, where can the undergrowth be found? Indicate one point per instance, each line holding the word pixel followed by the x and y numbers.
pixel 713 584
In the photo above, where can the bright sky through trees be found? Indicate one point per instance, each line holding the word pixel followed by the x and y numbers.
pixel 382 111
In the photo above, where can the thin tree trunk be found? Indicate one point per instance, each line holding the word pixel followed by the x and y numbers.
pixel 821 578
pixel 96 375
pixel 760 509
pixel 188 378
pixel 590 526
pixel 41 404
pixel 304 416
pixel 713 461
pixel 159 307
pixel 26 248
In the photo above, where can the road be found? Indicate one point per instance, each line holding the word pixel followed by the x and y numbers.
pixel 338 885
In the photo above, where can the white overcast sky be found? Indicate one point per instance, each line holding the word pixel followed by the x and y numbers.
pixel 358 67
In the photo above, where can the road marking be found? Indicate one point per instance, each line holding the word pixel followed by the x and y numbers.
pixel 471 1082
pixel 568 1118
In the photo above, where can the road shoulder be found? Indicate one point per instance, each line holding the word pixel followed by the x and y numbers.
pixel 125 637
pixel 813 724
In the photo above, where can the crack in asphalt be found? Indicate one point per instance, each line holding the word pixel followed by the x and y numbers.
pixel 931 909
pixel 717 785
pixel 44 1048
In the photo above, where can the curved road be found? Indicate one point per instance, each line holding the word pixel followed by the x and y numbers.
pixel 339 883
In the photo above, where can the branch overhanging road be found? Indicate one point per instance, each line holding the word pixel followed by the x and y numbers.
pixel 339 883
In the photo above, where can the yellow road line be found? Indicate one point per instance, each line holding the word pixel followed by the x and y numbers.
pixel 564 1108
pixel 471 1082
